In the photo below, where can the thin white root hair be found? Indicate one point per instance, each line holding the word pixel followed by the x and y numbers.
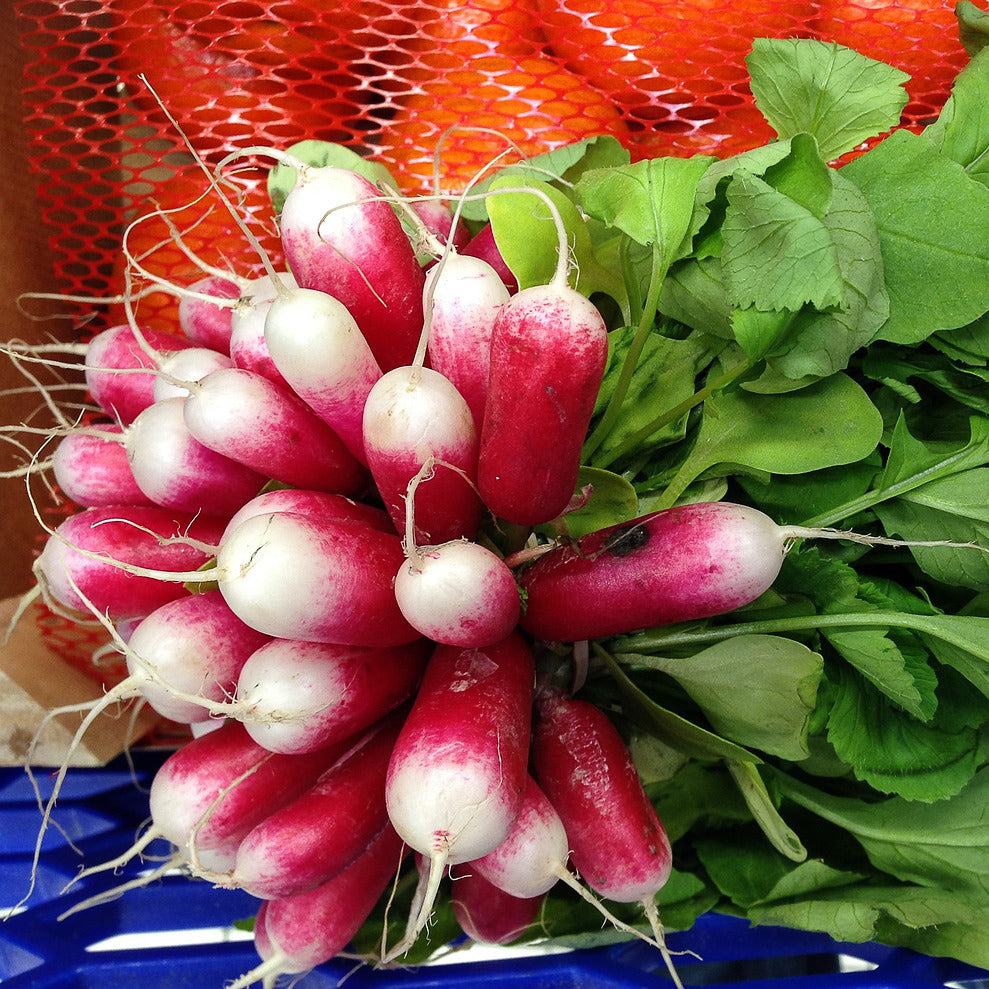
pixel 266 973
pixel 107 896
pixel 437 868
pixel 150 834
pixel 791 533
pixel 652 915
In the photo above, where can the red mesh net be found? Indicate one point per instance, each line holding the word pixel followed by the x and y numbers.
pixel 387 78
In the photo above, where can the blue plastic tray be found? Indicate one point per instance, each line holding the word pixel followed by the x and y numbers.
pixel 101 810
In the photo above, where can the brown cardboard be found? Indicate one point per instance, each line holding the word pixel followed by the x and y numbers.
pixel 33 681
pixel 25 266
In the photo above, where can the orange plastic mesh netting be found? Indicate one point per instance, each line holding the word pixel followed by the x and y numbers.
pixel 386 77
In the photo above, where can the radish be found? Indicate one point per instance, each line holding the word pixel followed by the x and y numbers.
pixel 123 395
pixel 440 220
pixel 98 550
pixel 176 471
pixel 466 295
pixel 323 580
pixel 482 245
pixel 193 645
pixel 210 793
pixel 297 696
pixel 342 238
pixel 457 774
pixel 311 839
pixel 458 593
pixel 251 420
pixel 318 348
pixel 215 789
pixel 93 470
pixel 413 414
pixel 186 365
pixel 617 842
pixel 206 323
pixel 308 929
pixel 248 347
pixel 549 348
pixel 487 914
pixel 533 858
pixel 684 563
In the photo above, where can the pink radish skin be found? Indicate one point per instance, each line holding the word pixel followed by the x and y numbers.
pixel 196 645
pixel 215 789
pixel 458 594
pixel 528 863
pixel 93 472
pixel 438 219
pixel 487 914
pixel 317 346
pixel 339 240
pixel 204 323
pixel 315 505
pixel 323 830
pixel 187 365
pixel 457 774
pixel 248 347
pixel 308 929
pixel 251 420
pixel 124 396
pixel 467 294
pixel 619 847
pixel 413 414
pixel 319 580
pixel 482 245
pixel 297 696
pixel 176 471
pixel 107 531
pixel 682 564
pixel 548 354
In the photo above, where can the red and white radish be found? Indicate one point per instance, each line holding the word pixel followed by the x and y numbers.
pixel 176 471
pixel 487 914
pixel 297 696
pixel 412 415
pixel 458 593
pixel 93 470
pixel 465 295
pixel 341 237
pixel 194 645
pixel 100 551
pixel 308 929
pixel 457 775
pixel 323 580
pixel 318 348
pixel 252 420
pixel 617 842
pixel 682 564
pixel 549 348
pixel 317 835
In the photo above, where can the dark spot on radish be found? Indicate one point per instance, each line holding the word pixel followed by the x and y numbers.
pixel 626 540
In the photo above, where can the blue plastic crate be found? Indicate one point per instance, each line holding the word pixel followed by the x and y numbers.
pixel 101 811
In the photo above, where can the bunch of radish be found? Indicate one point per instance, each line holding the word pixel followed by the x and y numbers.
pixel 284 521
